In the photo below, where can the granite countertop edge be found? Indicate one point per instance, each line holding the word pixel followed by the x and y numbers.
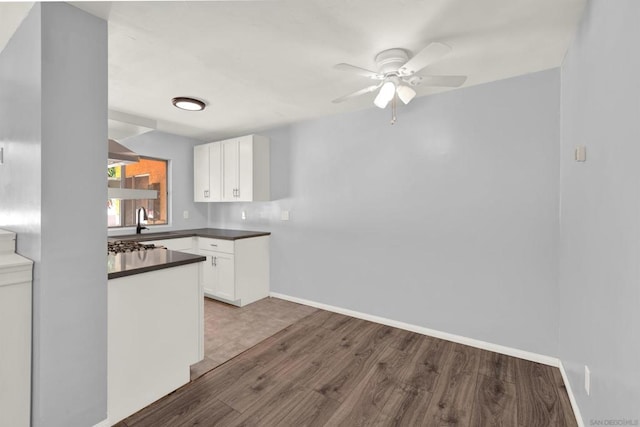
pixel 212 233
pixel 176 259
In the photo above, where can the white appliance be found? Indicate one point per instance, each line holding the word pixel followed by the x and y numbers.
pixel 15 334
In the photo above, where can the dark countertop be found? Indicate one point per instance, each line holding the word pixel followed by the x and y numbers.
pixel 130 263
pixel 213 233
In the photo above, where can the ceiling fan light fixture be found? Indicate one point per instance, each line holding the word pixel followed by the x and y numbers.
pixel 405 93
pixel 397 75
pixel 386 94
pixel 189 104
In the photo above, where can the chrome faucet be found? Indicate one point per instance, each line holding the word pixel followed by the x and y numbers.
pixel 139 226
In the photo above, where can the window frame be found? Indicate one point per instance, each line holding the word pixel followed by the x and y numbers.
pixel 123 179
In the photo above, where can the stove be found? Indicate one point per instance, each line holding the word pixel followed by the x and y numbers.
pixel 122 246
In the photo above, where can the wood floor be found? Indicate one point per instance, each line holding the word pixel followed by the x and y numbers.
pixel 332 370
pixel 230 330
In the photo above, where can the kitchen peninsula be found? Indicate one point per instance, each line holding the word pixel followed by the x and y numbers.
pixel 157 284
pixel 155 325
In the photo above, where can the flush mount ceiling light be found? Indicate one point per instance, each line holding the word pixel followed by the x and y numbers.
pixel 397 72
pixel 189 104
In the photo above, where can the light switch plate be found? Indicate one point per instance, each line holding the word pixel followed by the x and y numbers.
pixel 284 215
pixel 587 380
pixel 244 215
pixel 581 153
pixel 185 214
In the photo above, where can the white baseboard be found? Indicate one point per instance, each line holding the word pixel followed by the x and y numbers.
pixel 522 354
pixel 103 423
pixel 572 398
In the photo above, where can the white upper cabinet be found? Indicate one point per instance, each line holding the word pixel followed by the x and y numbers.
pixel 206 173
pixel 235 170
pixel 201 188
pixel 230 169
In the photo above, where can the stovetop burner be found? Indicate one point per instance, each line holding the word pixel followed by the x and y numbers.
pixel 122 246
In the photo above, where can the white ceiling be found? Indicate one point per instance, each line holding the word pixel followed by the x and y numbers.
pixel 259 64
pixel 11 15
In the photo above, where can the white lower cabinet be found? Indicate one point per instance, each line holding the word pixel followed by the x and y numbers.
pixel 15 334
pixel 236 271
pixel 218 276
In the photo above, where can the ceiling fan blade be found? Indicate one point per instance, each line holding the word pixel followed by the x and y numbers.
pixel 442 81
pixel 360 71
pixel 357 93
pixel 430 54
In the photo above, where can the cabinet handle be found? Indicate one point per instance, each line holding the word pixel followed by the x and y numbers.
pixel 211 244
pixel 206 193
pixel 215 261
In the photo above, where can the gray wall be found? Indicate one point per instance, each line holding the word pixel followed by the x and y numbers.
pixel 20 130
pixel 447 220
pixel 179 150
pixel 600 236
pixel 53 194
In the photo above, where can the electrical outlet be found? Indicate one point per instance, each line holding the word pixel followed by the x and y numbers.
pixel 587 380
pixel 185 214
pixel 581 153
pixel 284 215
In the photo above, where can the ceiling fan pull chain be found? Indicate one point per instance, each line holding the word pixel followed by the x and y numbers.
pixel 393 109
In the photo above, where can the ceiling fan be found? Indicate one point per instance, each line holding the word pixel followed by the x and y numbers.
pixel 398 73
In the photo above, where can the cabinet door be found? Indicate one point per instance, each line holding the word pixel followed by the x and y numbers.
pixel 229 170
pixel 224 284
pixel 215 172
pixel 201 191
pixel 244 190
pixel 207 272
pixel 218 275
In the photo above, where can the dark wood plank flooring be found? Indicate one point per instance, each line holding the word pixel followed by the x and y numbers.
pixel 333 370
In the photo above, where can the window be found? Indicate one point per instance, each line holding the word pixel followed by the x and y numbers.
pixel 147 174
